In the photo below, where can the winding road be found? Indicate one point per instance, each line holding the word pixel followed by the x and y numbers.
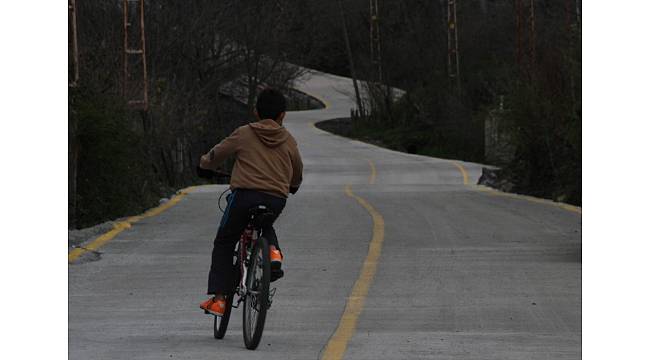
pixel 387 256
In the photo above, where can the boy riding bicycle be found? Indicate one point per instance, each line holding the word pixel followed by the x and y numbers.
pixel 267 168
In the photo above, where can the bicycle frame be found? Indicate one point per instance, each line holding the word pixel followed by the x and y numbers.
pixel 246 243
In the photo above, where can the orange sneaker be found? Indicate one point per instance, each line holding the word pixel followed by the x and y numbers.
pixel 214 306
pixel 276 256
pixel 276 264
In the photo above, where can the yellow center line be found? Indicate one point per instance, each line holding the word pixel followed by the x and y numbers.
pixel 338 343
pixel 126 224
pixel 373 172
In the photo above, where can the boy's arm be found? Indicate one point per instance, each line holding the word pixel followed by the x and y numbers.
pixel 220 152
pixel 296 178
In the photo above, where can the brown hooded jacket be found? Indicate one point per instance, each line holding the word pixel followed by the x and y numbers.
pixel 266 158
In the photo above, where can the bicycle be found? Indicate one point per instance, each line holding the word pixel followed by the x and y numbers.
pixel 253 261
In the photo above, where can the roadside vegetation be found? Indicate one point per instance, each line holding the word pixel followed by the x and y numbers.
pixel 523 77
pixel 207 59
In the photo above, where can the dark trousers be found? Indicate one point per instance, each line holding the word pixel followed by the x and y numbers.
pixel 224 276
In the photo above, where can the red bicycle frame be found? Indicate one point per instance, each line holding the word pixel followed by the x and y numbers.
pixel 246 241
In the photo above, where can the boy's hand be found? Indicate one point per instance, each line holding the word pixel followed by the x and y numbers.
pixel 204 163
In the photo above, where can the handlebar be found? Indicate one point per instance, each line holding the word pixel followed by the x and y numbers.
pixel 209 174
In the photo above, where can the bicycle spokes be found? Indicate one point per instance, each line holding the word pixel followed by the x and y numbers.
pixel 257 293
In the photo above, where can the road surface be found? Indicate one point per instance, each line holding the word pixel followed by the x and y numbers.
pixel 387 256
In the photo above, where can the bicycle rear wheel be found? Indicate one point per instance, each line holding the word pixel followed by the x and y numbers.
pixel 256 302
pixel 221 322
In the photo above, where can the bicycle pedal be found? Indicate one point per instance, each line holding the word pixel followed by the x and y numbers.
pixel 239 301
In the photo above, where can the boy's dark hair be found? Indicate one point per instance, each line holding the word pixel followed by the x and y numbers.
pixel 270 104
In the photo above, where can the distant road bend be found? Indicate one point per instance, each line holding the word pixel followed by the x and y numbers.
pixel 387 256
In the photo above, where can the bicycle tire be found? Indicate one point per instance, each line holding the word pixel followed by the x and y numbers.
pixel 253 328
pixel 221 322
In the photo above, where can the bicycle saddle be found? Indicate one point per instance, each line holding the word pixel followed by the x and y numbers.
pixel 260 214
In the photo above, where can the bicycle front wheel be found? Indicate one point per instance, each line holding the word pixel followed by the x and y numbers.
pixel 257 298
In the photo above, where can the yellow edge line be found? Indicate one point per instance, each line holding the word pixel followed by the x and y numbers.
pixel 126 224
pixel 373 172
pixel 316 129
pixel 313 126
pixel 317 97
pixel 489 190
pixel 325 102
pixel 462 171
pixel 338 343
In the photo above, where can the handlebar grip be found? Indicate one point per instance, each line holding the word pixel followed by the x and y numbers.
pixel 204 173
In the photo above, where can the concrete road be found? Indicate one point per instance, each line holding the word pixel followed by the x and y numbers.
pixel 437 269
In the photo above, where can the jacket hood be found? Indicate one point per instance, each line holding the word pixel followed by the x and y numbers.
pixel 270 133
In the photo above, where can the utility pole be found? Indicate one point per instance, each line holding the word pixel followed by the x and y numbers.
pixel 135 50
pixel 519 10
pixel 453 58
pixel 72 43
pixel 568 10
pixel 350 58
pixel 525 37
pixel 567 14
pixel 578 14
pixel 377 73
pixel 375 42
pixel 531 34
